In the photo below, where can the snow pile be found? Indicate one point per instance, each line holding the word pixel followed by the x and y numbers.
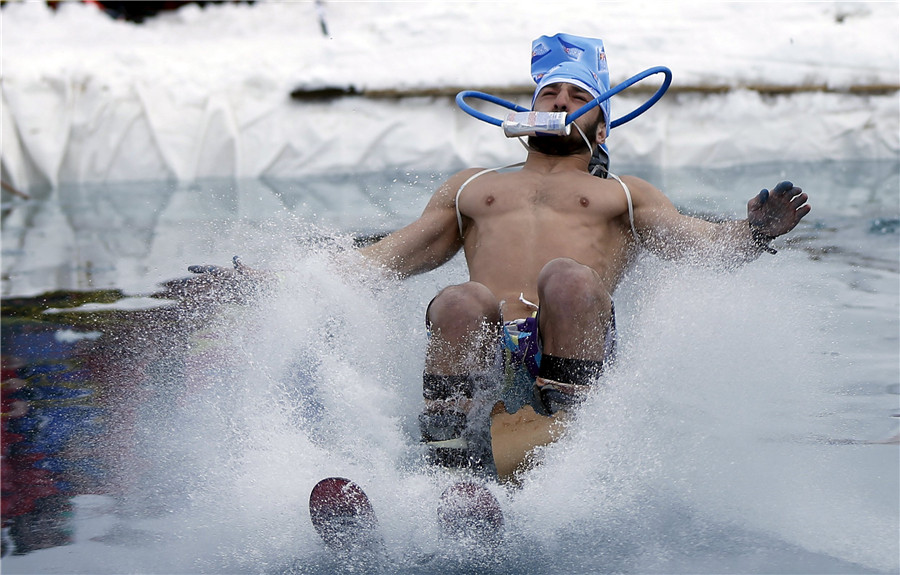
pixel 205 92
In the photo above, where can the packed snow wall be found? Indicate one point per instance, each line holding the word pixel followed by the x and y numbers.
pixel 207 92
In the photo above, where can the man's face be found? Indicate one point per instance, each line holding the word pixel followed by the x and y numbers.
pixel 562 97
pixel 565 97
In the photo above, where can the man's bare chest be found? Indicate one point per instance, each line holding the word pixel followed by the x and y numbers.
pixel 499 198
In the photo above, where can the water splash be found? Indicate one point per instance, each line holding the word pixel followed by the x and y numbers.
pixel 698 452
pixel 713 445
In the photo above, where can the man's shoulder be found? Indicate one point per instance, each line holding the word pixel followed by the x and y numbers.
pixel 644 194
pixel 639 186
pixel 455 181
pixel 477 177
pixel 634 181
pixel 445 194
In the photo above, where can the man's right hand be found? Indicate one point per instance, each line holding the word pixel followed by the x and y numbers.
pixel 219 271
pixel 217 284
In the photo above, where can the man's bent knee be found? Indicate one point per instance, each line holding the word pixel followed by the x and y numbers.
pixel 464 307
pixel 574 300
pixel 570 282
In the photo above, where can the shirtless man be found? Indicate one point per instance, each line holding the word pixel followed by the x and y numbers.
pixel 549 236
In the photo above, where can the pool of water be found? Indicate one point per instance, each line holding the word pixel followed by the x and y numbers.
pixel 157 425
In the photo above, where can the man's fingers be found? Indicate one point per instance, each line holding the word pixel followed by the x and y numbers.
pixel 208 269
pixel 219 270
pixel 239 266
pixel 782 187
pixel 795 193
pixel 755 207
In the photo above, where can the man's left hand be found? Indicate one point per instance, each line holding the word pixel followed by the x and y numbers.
pixel 779 211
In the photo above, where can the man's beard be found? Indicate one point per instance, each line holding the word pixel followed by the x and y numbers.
pixel 568 145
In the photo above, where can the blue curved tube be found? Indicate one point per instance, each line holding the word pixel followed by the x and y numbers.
pixel 464 106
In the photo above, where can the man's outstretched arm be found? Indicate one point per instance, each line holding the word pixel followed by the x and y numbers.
pixel 426 243
pixel 671 234
pixel 423 245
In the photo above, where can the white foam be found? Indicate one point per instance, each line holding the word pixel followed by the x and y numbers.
pixel 126 304
pixel 71 336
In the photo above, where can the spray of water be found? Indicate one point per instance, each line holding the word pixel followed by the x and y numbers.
pixel 697 452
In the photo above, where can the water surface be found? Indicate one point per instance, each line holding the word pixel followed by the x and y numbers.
pixel 750 425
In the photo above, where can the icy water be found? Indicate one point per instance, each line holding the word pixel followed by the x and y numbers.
pixel 749 426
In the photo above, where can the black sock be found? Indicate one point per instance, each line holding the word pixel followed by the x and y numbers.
pixel 436 387
pixel 446 422
pixel 569 370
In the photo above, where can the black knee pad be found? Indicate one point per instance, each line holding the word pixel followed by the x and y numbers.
pixel 437 387
pixel 456 439
pixel 569 370
pixel 442 425
pixel 444 433
pixel 566 381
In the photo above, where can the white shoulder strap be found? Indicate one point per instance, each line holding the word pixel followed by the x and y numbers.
pixel 630 205
pixel 466 183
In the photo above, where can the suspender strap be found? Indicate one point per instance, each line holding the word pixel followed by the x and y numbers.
pixel 466 183
pixel 630 205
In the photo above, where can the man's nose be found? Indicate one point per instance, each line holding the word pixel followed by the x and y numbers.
pixel 561 104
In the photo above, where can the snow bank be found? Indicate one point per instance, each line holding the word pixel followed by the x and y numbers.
pixel 205 92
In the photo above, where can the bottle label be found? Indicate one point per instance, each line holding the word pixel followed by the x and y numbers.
pixel 535 124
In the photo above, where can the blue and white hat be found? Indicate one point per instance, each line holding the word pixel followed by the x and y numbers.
pixel 573 60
